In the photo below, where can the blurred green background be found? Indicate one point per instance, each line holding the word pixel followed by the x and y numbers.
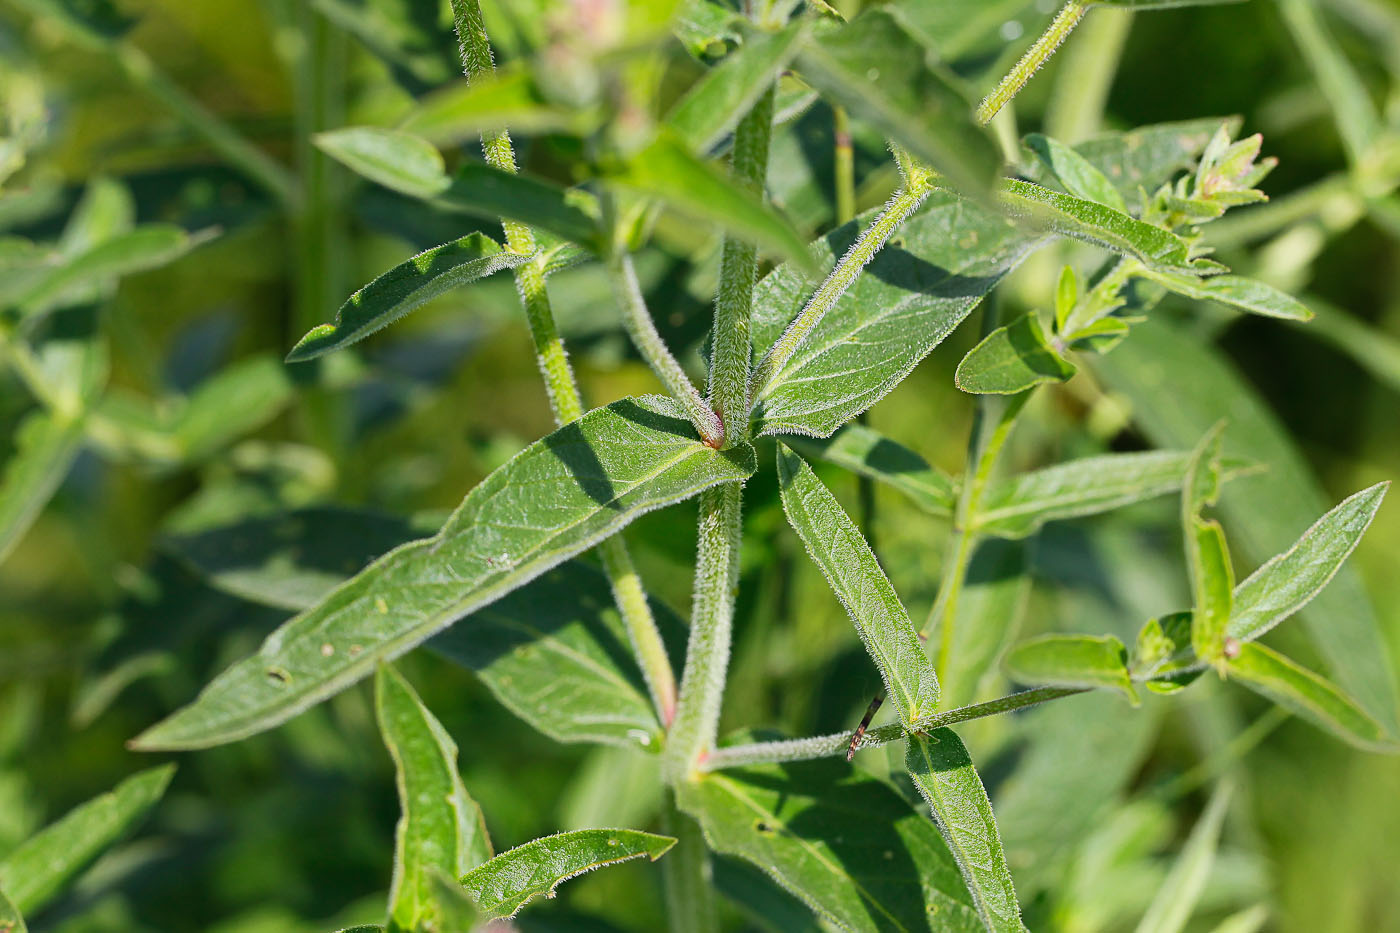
pixel 103 627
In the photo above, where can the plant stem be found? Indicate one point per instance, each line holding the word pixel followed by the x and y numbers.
pixel 565 400
pixel 687 876
pixel 1233 751
pixel 898 209
pixel 844 165
pixel 642 329
pixel 1075 111
pixel 827 746
pixel 1058 30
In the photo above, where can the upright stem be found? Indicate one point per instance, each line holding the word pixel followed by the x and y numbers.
pixel 844 165
pixel 721 526
pixel 1057 32
pixel 1075 111
pixel 687 875
pixel 564 397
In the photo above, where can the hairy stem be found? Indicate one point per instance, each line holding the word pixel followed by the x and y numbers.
pixel 898 209
pixel 564 397
pixel 1038 54
pixel 687 876
pixel 837 743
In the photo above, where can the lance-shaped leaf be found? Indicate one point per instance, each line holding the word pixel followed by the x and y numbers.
pixel 1207 556
pixel 1306 694
pixel 1094 223
pixel 512 879
pixel 848 845
pixel 1289 581
pixel 944 776
pixel 1236 291
pixel 38 868
pixel 490 193
pixel 1175 900
pixel 404 288
pixel 884 74
pixel 462 111
pixel 440 826
pixel 1018 505
pixel 1146 157
pixel 10 919
pixel 839 549
pixel 558 497
pixel 1079 176
pixel 45 445
pixel 393 158
pixel 671 173
pixel 713 107
pixel 867 452
pixel 238 399
pixel 1072 661
pixel 146 247
pixel 1011 359
pixel 932 273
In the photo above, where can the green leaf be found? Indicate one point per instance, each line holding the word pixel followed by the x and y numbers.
pixel 483 191
pixel 1207 555
pixel 1094 223
pixel 1160 4
pixel 45 446
pixel 553 500
pixel 990 608
pixel 1349 102
pixel 440 826
pixel 715 104
pixel 1011 359
pixel 237 400
pixel 838 548
pixel 885 75
pixel 40 866
pixel 461 111
pixel 1078 175
pixel 1176 899
pixel 1237 292
pixel 1178 387
pixel 10 920
pixel 917 289
pixel 1019 505
pixel 866 452
pixel 1148 156
pixel 668 171
pixel 404 288
pixel 1306 694
pixel 704 27
pixel 146 247
pixel 1072 661
pixel 848 845
pixel 393 158
pixel 944 776
pixel 1162 657
pixel 1289 581
pixel 512 879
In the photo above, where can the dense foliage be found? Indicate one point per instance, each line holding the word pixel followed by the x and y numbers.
pixel 724 371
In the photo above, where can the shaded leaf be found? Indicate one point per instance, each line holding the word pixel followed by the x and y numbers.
pixel 917 289
pixel 39 867
pixel 512 879
pixel 944 776
pixel 45 446
pixel 1350 104
pixel 1176 899
pixel 392 158
pixel 990 608
pixel 146 247
pixel 885 75
pixel 558 497
pixel 404 288
pixel 845 559
pixel 1094 223
pixel 1306 694
pixel 1207 556
pixel 1238 292
pixel 1287 582
pixel 1079 176
pixel 237 400
pixel 868 453
pixel 848 845
pixel 440 827
pixel 1011 359
pixel 10 920
pixel 483 191
pixel 1072 661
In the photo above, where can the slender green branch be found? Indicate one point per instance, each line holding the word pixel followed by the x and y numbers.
pixel 898 209
pixel 642 329
pixel 844 165
pixel 1075 111
pixel 837 743
pixel 687 876
pixel 1037 55
pixel 564 397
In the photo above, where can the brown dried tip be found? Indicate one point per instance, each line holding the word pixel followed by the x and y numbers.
pixel 864 724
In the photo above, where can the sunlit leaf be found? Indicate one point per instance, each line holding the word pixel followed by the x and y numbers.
pixel 512 879
pixel 839 549
pixel 393 158
pixel 1011 359
pixel 45 445
pixel 1207 556
pixel 553 500
pixel 460 112
pixel 404 288
pixel 1147 156
pixel 1238 292
pixel 440 826
pixel 39 867
pixel 1079 176
pixel 1071 661
pixel 146 247
pixel 943 774
pixel 1306 694
pixel 10 919
pixel 848 845
pixel 868 453
pixel 1094 223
